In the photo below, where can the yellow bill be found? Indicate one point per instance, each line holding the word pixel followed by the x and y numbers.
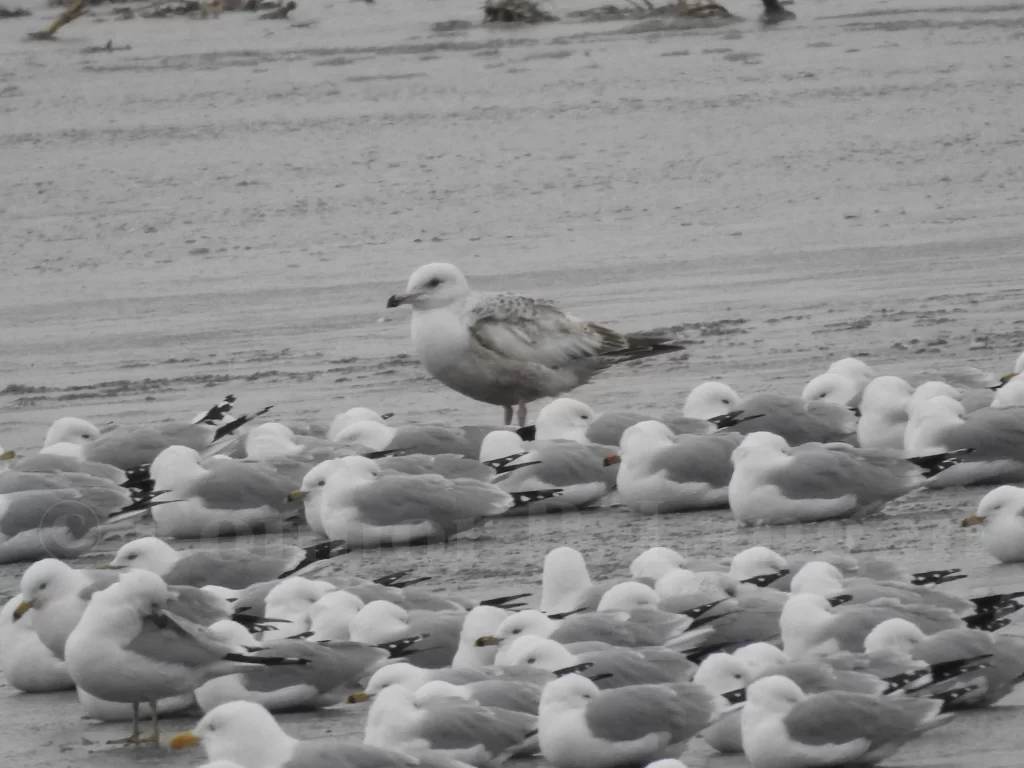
pixel 7 455
pixel 359 697
pixel 23 608
pixel 970 520
pixel 482 642
pixel 183 740
pixel 297 495
pixel 1006 377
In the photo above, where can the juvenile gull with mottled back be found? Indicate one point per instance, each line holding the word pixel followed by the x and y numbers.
pixel 507 349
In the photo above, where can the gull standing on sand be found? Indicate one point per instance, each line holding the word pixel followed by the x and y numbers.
pixel 506 349
pixel 127 647
pixel 785 728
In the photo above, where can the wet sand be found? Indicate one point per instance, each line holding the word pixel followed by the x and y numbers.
pixel 226 206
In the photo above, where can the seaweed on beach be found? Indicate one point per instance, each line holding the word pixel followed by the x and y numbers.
pixel 643 9
pixel 516 11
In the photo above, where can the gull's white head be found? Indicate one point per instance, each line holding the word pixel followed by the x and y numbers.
pixel 377 622
pixel 819 578
pixel 175 466
pixel 1010 395
pixel 761 450
pixel 886 395
pixel 831 388
pixel 644 437
pixel 929 390
pixel 314 481
pixel 352 416
pixel 710 399
pixel 523 623
pixel 350 473
pixel 566 694
pixel 897 635
pixel 629 596
pixel 564 582
pixel 776 694
pixel 852 368
pixel 375 435
pixel 48 580
pixel 432 286
pixel 148 553
pixel 499 444
pixel 234 634
pixel 295 596
pixel 142 591
pixel 655 562
pixel 759 657
pixel 721 673
pixel 242 731
pixel 440 690
pixel 400 673
pixel 564 419
pixel 271 441
pixel 331 615
pixel 1006 501
pixel 928 422
pixel 539 652
pixel 679 581
pixel 482 623
pixel 756 561
pixel 69 429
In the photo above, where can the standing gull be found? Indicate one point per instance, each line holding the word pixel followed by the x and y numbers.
pixel 506 349
pixel 128 647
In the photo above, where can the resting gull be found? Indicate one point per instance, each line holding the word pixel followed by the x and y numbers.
pixel 247 734
pixel 226 497
pixel 995 437
pixel 883 413
pixel 794 418
pixel 506 349
pixel 1001 510
pixel 226 566
pixel 128 647
pixel 351 416
pixel 27 664
pixel 366 507
pixel 775 484
pixel 783 727
pixel 660 472
pixel 584 727
pixel 460 729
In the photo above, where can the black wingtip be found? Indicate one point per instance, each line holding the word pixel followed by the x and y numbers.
pixel 267 661
pixel 992 602
pixel 324 550
pixel 935 463
pixel 231 426
pixel 508 601
pixel 839 600
pixel 573 670
pixel 218 412
pixel 924 578
pixel 737 696
pixel 950 669
pixel 400 648
pixel 700 610
pixel 527 433
pixel 951 698
pixel 520 498
pixel 733 418
pixel 765 579
pixel 901 681
pixel 566 614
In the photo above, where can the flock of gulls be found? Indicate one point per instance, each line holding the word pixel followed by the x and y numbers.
pixel 795 661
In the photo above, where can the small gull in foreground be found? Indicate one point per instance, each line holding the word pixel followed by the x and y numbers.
pixel 783 727
pixel 584 727
pixel 27 664
pixel 506 349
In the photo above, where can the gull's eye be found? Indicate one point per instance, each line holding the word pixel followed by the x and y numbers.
pixel 433 283
pixel 42 586
pixel 584 417
pixel 516 631
pixel 322 482
pixel 131 557
pixel 85 437
pixel 531 660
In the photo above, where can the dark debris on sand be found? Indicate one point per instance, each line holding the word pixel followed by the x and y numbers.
pixel 516 11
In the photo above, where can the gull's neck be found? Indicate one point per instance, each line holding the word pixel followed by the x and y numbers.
pixel 440 335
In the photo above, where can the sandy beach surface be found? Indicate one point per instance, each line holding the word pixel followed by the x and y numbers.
pixel 226 206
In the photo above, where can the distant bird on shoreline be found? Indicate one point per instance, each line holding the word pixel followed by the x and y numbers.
pixel 774 13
